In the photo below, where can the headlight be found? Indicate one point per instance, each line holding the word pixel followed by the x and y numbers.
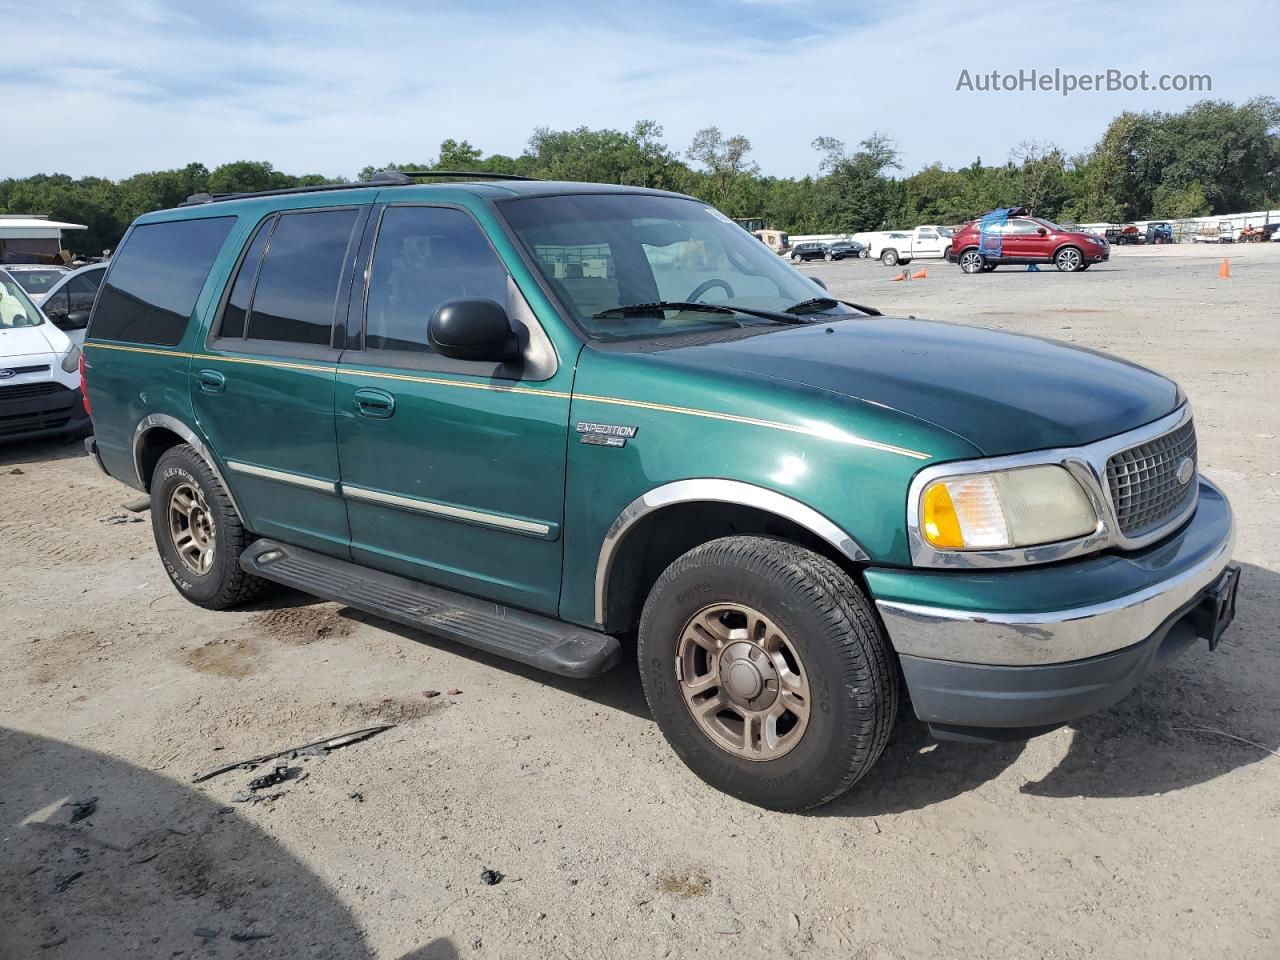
pixel 1007 508
pixel 71 362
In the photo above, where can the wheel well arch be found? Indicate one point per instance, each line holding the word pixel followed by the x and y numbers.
pixel 662 525
pixel 1068 245
pixel 159 432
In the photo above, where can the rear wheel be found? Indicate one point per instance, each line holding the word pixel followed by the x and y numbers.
pixel 889 258
pixel 1068 260
pixel 767 671
pixel 198 532
pixel 971 261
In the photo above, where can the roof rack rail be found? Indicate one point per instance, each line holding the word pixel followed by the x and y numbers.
pixel 383 178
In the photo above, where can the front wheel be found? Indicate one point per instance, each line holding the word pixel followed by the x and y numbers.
pixel 198 532
pixel 795 258
pixel 1068 260
pixel 828 257
pixel 971 261
pixel 767 671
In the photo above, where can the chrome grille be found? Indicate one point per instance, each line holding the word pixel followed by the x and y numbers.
pixel 1144 480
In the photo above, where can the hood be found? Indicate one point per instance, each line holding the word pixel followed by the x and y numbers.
pixel 25 341
pixel 1002 392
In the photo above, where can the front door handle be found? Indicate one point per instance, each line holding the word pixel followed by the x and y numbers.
pixel 374 403
pixel 211 381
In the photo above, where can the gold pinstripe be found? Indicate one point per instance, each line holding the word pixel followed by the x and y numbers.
pixel 531 391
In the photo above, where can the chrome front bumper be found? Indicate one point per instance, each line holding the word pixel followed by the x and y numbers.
pixel 1176 572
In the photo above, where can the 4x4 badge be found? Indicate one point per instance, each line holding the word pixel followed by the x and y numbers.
pixel 606 434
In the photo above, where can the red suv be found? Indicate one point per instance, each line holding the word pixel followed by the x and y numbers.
pixel 1024 239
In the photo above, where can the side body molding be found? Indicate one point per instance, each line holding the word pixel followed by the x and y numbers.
pixel 714 491
pixel 160 420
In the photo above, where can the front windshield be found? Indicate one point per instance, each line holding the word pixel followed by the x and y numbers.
pixel 604 251
pixel 38 281
pixel 16 308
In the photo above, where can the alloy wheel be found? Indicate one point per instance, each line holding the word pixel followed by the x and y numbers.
pixel 191 528
pixel 743 681
pixel 971 262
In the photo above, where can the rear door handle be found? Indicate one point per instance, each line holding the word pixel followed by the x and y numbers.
pixel 374 403
pixel 211 381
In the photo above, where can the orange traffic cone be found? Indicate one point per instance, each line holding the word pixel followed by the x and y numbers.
pixel 920 275
pixel 1225 269
pixel 896 277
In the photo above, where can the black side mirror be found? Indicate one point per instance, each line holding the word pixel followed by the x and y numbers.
pixel 76 320
pixel 1042 231
pixel 473 330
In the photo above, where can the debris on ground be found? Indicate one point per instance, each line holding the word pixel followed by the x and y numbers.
pixel 119 518
pixel 248 937
pixel 62 884
pixel 82 809
pixel 357 796
pixel 318 748
pixel 429 694
pixel 205 933
pixel 490 877
pixel 279 774
pixel 17 472
pixel 53 937
pixel 454 692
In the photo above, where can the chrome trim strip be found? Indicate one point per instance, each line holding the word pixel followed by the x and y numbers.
pixel 1058 636
pixel 450 512
pixel 161 420
pixel 283 476
pixel 714 491
pixel 1088 464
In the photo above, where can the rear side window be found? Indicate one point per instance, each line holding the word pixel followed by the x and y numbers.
pixel 238 302
pixel 297 286
pixel 155 279
pixel 425 256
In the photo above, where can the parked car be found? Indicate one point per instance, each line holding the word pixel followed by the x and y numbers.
pixel 1023 239
pixel 395 395
pixel 809 250
pixel 36 279
pixel 842 249
pixel 68 302
pixel 927 242
pixel 39 371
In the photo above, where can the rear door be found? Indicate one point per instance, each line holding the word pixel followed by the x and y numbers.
pixel 453 471
pixel 263 389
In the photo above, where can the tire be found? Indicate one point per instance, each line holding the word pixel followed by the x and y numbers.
pixel 832 646
pixel 889 257
pixel 1068 259
pixel 213 527
pixel 796 258
pixel 863 253
pixel 828 257
pixel 971 261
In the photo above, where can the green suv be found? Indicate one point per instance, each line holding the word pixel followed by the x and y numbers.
pixel 551 420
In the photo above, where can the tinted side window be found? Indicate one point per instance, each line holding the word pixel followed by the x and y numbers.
pixel 298 282
pixel 155 280
pixel 425 256
pixel 238 303
pixel 57 306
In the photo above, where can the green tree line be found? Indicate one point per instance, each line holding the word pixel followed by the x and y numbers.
pixel 1213 157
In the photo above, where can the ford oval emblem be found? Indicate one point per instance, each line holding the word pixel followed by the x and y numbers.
pixel 6 374
pixel 1186 469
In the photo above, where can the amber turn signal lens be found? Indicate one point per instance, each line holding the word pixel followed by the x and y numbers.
pixel 941 525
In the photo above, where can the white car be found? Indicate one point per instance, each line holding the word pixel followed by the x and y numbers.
pixel 36 278
pixel 929 241
pixel 39 371
pixel 68 302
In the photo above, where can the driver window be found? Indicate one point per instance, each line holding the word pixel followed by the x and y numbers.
pixel 1019 227
pixel 426 256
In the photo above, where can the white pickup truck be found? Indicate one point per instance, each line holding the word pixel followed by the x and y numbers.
pixel 925 242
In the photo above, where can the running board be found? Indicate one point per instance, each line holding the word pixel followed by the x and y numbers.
pixel 529 638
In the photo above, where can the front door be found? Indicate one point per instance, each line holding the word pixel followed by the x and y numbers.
pixel 453 471
pixel 263 389
pixel 928 243
pixel 1020 240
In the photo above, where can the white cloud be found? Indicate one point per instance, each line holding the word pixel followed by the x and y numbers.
pixel 328 87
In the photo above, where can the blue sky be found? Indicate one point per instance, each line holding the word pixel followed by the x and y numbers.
pixel 326 86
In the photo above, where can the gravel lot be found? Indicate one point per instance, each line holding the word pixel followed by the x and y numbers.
pixel 1150 830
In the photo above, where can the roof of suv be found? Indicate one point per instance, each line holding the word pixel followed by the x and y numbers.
pixel 494 188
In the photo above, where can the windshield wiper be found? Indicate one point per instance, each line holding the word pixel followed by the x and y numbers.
pixel 627 309
pixel 826 303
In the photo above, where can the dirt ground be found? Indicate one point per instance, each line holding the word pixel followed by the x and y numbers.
pixel 1151 830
